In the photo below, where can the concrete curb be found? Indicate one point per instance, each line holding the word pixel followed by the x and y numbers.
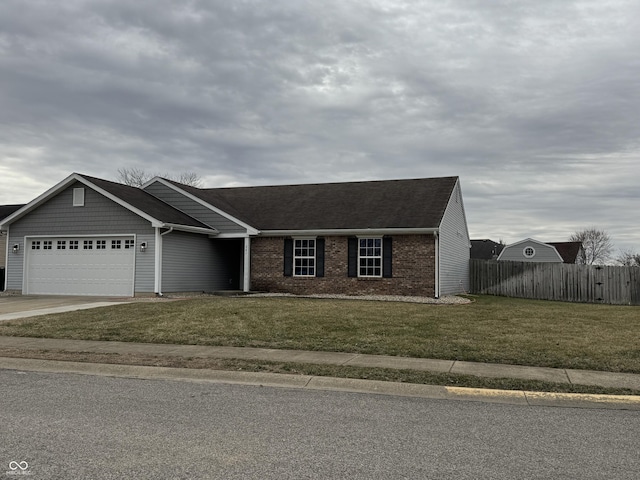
pixel 512 397
pixel 488 370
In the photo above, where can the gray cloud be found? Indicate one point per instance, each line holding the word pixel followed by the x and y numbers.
pixel 534 104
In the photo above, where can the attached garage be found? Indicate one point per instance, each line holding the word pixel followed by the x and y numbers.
pixel 97 265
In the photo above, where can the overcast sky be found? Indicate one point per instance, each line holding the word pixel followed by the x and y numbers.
pixel 534 104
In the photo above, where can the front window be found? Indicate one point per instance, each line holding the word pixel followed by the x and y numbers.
pixel 370 257
pixel 304 257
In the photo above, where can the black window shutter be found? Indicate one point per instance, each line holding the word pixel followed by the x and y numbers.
pixel 386 257
pixel 288 257
pixel 352 271
pixel 320 257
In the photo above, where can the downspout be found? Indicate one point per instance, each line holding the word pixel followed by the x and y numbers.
pixel 6 266
pixel 246 280
pixel 437 263
pixel 158 260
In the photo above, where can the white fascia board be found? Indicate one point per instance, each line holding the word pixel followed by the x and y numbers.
pixel 350 232
pixel 250 230
pixel 233 235
pixel 187 228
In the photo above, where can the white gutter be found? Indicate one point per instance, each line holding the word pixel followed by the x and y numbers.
pixel 350 231
pixel 437 262
pixel 187 228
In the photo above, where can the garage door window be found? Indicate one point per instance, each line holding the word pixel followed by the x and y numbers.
pixel 101 244
pixel 35 245
pixel 129 244
pixel 116 244
pixel 62 244
pixel 47 245
pixel 88 245
pixel 73 244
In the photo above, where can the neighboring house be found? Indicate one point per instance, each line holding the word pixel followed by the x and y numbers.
pixel 5 211
pixel 485 249
pixel 530 250
pixel 95 237
pixel 569 251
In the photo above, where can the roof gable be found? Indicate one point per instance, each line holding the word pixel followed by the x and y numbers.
pixel 407 204
pixel 134 199
pixel 511 247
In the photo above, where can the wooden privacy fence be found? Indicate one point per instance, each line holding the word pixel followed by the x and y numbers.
pixel 557 281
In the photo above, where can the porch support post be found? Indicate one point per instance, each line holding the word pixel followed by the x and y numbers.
pixel 246 264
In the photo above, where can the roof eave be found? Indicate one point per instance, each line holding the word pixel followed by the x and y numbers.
pixel 349 231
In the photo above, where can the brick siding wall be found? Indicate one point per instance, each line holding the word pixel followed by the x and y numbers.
pixel 413 269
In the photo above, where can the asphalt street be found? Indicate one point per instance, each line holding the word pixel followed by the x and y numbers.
pixel 55 426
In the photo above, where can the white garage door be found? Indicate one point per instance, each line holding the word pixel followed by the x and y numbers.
pixel 80 266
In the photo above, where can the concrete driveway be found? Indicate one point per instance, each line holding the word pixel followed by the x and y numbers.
pixel 20 306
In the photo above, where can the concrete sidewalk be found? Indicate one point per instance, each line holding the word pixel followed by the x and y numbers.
pixel 556 375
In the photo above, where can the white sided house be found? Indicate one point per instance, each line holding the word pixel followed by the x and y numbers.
pixel 89 236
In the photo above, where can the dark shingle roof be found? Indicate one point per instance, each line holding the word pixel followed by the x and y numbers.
pixel 6 210
pixel 567 250
pixel 146 203
pixel 485 249
pixel 417 203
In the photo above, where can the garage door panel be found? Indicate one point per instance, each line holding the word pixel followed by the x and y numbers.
pixel 81 271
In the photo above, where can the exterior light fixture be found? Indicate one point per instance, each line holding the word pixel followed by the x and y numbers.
pixel 143 247
pixel 16 248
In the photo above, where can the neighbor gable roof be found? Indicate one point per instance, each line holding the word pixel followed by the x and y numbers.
pixel 528 240
pixel 568 250
pixel 136 200
pixel 385 204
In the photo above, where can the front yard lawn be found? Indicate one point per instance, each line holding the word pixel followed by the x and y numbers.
pixel 492 329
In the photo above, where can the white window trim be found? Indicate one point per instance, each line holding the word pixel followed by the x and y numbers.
pixel 312 258
pixel 381 256
pixel 524 251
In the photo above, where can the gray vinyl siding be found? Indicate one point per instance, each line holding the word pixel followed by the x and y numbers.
pixel 454 246
pixel 192 263
pixel 544 253
pixel 193 208
pixel 99 216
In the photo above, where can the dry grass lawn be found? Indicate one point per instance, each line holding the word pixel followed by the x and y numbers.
pixel 491 329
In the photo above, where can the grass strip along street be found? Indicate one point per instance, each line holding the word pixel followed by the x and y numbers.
pixel 491 329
